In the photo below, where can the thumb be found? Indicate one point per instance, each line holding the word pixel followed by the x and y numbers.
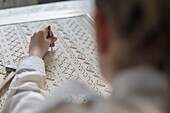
pixel 52 39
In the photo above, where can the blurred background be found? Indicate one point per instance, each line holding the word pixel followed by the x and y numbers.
pixel 18 3
pixel 17 11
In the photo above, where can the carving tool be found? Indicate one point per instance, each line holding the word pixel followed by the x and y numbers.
pixel 11 71
pixel 50 35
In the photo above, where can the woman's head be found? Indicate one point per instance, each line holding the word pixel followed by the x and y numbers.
pixel 133 32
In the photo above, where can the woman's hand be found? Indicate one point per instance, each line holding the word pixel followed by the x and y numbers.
pixel 40 43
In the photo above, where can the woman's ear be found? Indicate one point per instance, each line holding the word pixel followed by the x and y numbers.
pixel 102 31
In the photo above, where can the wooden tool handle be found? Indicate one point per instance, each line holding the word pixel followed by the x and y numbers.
pixel 7 80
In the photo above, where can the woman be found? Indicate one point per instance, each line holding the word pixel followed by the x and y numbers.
pixel 134 54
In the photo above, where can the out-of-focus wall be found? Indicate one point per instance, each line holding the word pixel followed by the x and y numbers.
pixel 47 1
pixel 16 3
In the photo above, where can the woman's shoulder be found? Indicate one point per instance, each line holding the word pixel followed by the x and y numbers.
pixel 143 86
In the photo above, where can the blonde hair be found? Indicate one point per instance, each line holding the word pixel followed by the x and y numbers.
pixel 146 25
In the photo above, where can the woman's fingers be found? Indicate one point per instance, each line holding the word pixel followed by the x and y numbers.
pixel 52 40
pixel 52 34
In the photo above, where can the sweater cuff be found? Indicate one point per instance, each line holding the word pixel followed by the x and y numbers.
pixel 31 62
